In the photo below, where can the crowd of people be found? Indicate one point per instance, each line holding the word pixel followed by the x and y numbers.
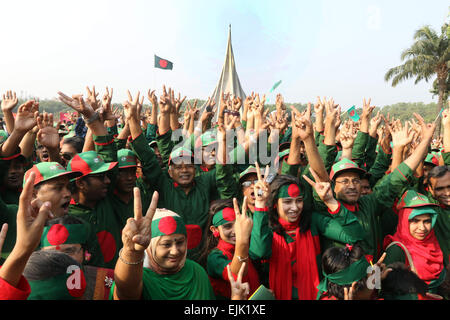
pixel 229 201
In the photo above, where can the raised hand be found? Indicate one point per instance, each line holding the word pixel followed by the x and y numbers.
pixel 323 190
pixel 9 101
pixel 374 124
pixel 152 97
pixel 243 224
pixel 301 124
pixel 261 187
pixel 401 135
pixel 427 130
pixel 77 103
pixel 239 290
pixel 130 107
pixel 347 135
pixel 136 234
pixel 47 135
pixel 26 116
pixel 106 112
pixel 31 217
pixel 279 104
pixel 92 98
pixel 179 102
pixel 165 102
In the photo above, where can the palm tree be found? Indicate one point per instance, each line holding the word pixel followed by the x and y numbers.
pixel 428 56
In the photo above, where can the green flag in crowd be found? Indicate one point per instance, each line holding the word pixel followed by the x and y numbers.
pixel 163 63
pixel 352 114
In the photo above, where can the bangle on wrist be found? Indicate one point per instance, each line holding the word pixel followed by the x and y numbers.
pixel 130 263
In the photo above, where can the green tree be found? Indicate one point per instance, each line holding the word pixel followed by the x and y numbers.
pixel 428 56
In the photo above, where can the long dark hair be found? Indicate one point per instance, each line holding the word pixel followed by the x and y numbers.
pixel 305 216
pixel 335 259
pixel 211 241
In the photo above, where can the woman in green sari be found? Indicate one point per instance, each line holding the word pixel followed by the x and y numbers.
pixel 167 274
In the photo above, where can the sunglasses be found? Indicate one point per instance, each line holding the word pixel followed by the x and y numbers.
pixel 247 184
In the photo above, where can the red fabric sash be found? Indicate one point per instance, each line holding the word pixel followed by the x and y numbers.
pixel 280 272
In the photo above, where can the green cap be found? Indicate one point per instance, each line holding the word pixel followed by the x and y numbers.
pixel 181 153
pixel 413 199
pixel 207 138
pixel 89 162
pixel 45 171
pixel 345 165
pixel 249 170
pixel 126 158
pixel 432 159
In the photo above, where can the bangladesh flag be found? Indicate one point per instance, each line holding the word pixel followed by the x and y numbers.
pixel 163 63
pixel 352 114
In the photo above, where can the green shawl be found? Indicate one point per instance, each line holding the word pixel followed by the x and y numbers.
pixel 190 283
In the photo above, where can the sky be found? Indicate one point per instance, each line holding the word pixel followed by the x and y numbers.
pixel 327 48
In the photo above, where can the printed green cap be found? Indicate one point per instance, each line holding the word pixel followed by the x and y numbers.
pixel 181 153
pixel 249 170
pixel 413 199
pixel 207 138
pixel 345 165
pixel 126 158
pixel 45 171
pixel 432 159
pixel 89 162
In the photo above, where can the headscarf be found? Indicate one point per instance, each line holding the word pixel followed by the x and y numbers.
pixel 426 254
pixel 165 222
pixel 188 282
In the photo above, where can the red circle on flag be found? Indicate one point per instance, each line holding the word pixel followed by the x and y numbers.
pixel 194 235
pixel 163 63
pixel 352 113
pixel 293 191
pixel 167 225
pixel 229 214
pixel 107 245
pixel 57 234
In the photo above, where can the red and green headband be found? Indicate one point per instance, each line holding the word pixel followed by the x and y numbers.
pixel 223 216
pixel 58 234
pixel 289 191
pixel 168 225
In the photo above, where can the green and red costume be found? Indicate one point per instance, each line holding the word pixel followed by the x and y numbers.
pixel 221 256
pixel 294 257
pixel 426 255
